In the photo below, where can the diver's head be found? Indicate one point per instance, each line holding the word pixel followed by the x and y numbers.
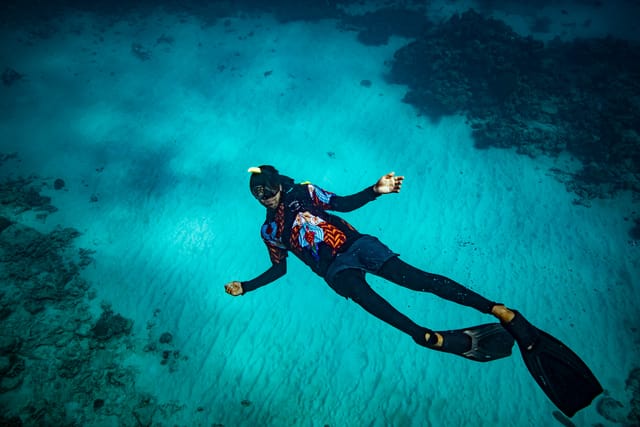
pixel 266 185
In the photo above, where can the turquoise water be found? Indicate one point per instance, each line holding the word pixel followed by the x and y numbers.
pixel 152 120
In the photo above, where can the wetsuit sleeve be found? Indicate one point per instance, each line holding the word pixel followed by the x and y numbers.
pixel 277 270
pixel 330 201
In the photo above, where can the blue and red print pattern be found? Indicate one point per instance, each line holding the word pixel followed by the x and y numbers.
pixel 307 230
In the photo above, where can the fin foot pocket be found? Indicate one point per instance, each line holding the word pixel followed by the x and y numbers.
pixel 482 343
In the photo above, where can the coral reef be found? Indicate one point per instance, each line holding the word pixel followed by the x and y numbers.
pixel 374 28
pixel 579 97
pixel 614 411
pixel 23 194
pixel 633 385
pixel 11 76
pixel 111 325
pixel 68 364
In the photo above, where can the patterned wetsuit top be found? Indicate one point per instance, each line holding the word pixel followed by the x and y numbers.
pixel 302 225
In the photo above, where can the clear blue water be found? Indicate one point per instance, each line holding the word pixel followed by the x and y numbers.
pixel 152 116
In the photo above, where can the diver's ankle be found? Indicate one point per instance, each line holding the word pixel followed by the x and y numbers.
pixel 439 339
pixel 502 313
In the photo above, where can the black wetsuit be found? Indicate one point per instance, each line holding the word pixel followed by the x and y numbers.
pixel 342 256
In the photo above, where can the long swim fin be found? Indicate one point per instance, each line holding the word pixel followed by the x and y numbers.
pixel 561 374
pixel 482 343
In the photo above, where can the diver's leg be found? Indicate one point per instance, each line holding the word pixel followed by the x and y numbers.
pixel 403 274
pixel 351 284
pixel 398 271
pixel 481 343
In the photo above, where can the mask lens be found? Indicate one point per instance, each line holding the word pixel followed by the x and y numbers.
pixel 264 193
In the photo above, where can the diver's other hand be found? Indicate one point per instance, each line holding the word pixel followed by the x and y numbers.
pixel 233 288
pixel 390 183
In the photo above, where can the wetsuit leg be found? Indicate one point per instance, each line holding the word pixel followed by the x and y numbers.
pixel 351 284
pixel 403 274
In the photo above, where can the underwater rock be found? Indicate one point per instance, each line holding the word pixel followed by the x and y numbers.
pixel 633 381
pixel 5 223
pixel 634 232
pixel 34 199
pixel 5 157
pixel 634 416
pixel 9 345
pixel 120 377
pixel 633 384
pixel 145 410
pixel 22 195
pixel 171 359
pixel 165 39
pixel 5 364
pixel 33 306
pixel 611 409
pixel 150 347
pixel 8 383
pixel 140 52
pixel 60 287
pixel 5 312
pixel 69 368
pixel 166 338
pixel 14 375
pixel 8 303
pixel 10 422
pixel 86 258
pixel 111 325
pixel 11 76
pixel 58 184
pixel 97 404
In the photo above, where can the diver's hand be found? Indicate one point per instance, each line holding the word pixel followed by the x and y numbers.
pixel 390 183
pixel 233 288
